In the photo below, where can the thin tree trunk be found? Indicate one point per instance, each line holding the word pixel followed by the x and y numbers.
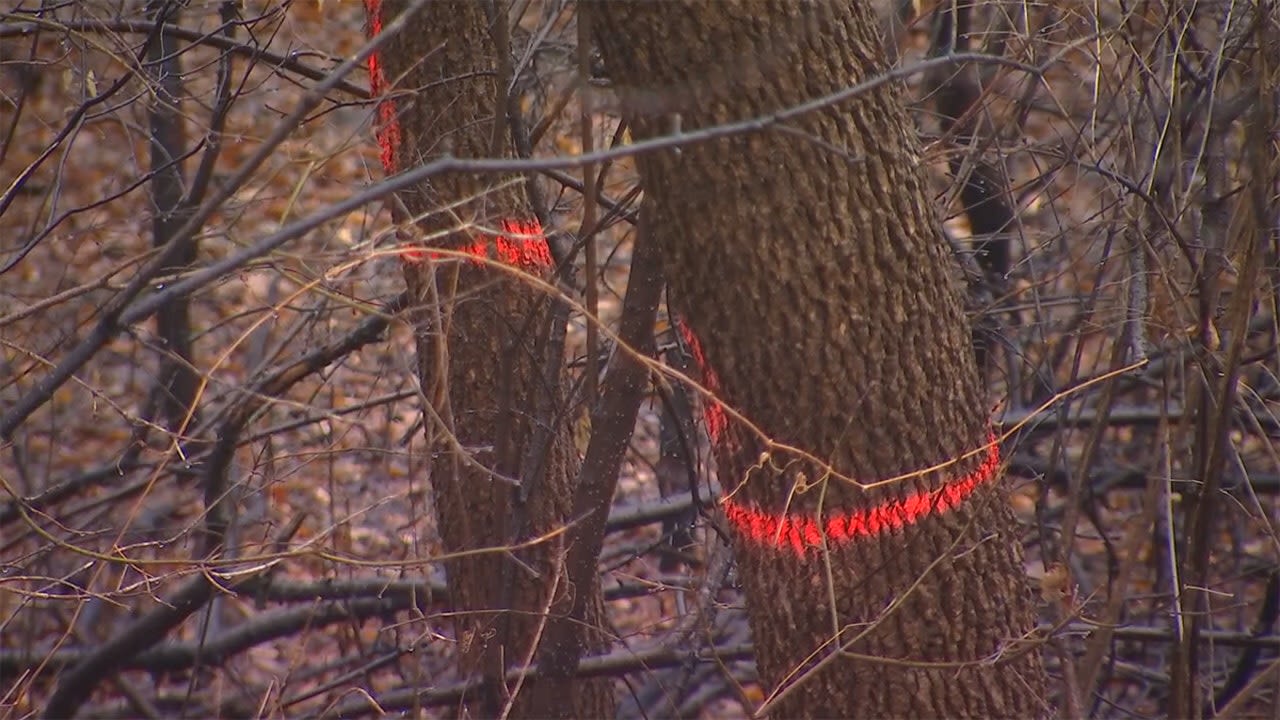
pixel 810 266
pixel 179 380
pixel 481 340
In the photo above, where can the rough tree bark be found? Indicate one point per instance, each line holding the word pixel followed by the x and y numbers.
pixel 813 271
pixel 501 472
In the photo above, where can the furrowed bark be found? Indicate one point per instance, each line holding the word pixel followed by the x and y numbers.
pixel 827 306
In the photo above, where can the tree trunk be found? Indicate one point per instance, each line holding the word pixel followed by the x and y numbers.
pixel 813 271
pixel 501 469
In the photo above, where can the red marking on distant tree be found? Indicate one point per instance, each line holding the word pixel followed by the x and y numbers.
pixel 388 132
pixel 800 533
pixel 521 242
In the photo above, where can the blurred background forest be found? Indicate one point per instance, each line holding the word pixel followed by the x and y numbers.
pixel 1127 301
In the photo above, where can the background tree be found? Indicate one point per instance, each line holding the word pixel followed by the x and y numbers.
pixel 815 274
pixel 503 463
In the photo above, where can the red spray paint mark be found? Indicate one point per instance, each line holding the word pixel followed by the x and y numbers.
pixel 717 421
pixel 802 533
pixel 521 243
pixel 388 124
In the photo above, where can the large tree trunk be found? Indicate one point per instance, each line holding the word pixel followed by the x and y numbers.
pixel 811 267
pixel 500 473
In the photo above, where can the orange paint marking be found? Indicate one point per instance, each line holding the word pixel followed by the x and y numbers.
pixel 521 242
pixel 717 420
pixel 388 132
pixel 800 533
